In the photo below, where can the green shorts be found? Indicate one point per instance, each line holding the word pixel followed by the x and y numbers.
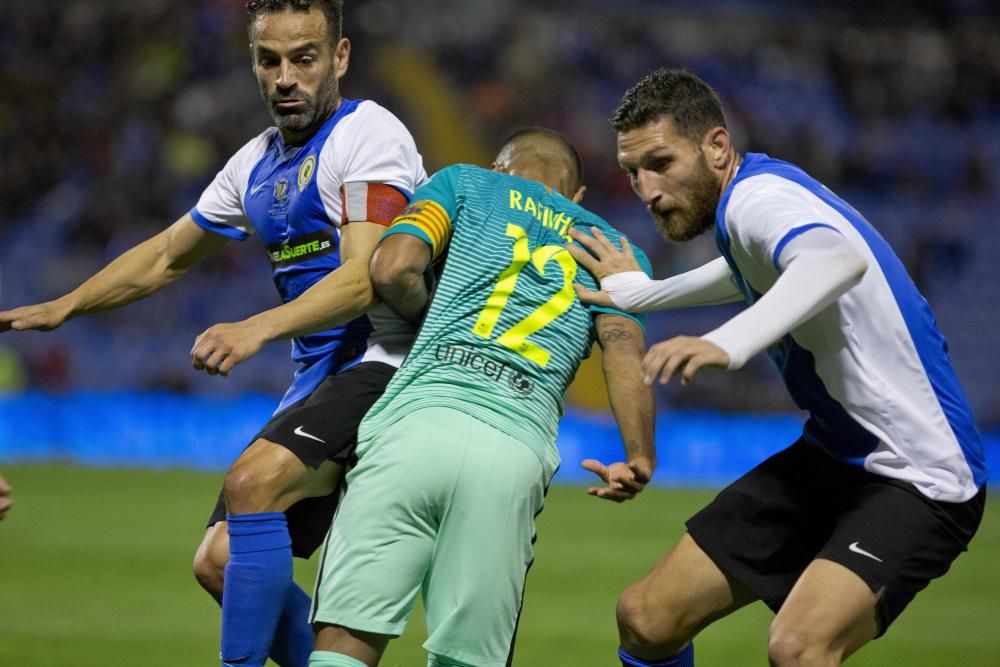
pixel 439 503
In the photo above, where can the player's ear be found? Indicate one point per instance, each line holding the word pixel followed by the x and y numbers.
pixel 716 146
pixel 578 197
pixel 342 56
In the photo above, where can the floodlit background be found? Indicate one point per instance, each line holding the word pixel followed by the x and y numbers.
pixel 115 115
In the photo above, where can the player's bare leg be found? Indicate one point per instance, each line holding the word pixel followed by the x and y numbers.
pixel 211 558
pixel 337 643
pixel 830 614
pixel 265 478
pixel 259 598
pixel 269 478
pixel 660 614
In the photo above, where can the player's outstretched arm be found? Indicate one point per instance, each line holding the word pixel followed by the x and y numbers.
pixel 633 405
pixel 397 271
pixel 624 285
pixel 816 269
pixel 146 268
pixel 5 501
pixel 341 296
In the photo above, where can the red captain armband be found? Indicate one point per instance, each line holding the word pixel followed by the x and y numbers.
pixel 372 202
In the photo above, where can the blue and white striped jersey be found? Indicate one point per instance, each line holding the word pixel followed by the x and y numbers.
pixel 871 369
pixel 361 165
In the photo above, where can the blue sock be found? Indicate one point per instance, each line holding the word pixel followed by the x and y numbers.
pixel 683 659
pixel 293 640
pixel 258 578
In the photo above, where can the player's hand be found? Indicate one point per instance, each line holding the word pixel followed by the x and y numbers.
pixel 683 355
pixel 222 346
pixel 40 316
pixel 624 480
pixel 602 260
pixel 5 501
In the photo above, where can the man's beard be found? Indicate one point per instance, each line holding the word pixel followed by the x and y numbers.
pixel 310 116
pixel 698 217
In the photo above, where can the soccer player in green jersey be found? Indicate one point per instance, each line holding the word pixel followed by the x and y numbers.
pixel 455 458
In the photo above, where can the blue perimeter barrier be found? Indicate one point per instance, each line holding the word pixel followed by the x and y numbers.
pixel 156 430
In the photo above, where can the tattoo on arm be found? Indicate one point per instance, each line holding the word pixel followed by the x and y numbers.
pixel 615 334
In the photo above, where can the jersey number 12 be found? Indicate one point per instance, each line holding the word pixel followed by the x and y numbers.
pixel 515 338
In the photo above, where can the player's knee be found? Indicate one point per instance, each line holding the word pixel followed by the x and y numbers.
pixel 789 645
pixel 643 625
pixel 247 489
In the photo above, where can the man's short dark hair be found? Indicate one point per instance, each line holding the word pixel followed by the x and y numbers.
pixel 333 10
pixel 675 93
pixel 546 139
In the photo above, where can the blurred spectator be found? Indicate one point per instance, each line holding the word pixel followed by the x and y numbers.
pixel 13 376
pixel 116 115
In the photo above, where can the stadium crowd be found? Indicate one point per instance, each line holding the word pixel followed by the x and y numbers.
pixel 106 135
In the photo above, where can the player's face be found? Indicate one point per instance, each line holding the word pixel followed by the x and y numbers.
pixel 670 174
pixel 297 67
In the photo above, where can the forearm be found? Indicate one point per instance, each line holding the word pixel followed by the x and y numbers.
pixel 711 284
pixel 406 294
pixel 341 296
pixel 632 401
pixel 144 269
pixel 811 282
pixel 135 274
pixel 397 274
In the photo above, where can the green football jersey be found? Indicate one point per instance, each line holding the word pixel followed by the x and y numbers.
pixel 505 332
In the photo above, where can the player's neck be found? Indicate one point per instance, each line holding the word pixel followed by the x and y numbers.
pixel 547 177
pixel 303 136
pixel 729 173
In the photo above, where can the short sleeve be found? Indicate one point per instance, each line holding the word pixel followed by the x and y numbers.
pixel 369 167
pixel 220 208
pixel 766 212
pixel 431 215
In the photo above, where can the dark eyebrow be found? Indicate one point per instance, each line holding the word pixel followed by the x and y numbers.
pixel 657 155
pixel 298 50
pixel 308 46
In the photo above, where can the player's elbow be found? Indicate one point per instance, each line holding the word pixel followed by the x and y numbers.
pixel 855 265
pixel 384 276
pixel 390 271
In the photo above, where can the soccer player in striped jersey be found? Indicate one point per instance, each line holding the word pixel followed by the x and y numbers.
pixel 887 483
pixel 319 189
pixel 455 458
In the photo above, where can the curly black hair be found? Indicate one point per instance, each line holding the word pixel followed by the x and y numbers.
pixel 332 9
pixel 674 93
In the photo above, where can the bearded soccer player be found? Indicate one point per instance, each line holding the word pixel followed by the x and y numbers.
pixel 319 190
pixel 885 487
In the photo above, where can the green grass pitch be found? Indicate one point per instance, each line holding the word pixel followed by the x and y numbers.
pixel 95 570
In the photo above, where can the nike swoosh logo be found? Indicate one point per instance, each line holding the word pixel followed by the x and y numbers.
pixel 858 550
pixel 299 431
pixel 255 190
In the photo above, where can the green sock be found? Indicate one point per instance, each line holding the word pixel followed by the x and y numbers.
pixel 331 659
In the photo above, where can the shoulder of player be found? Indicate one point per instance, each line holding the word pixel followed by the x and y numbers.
pixel 369 120
pixel 762 194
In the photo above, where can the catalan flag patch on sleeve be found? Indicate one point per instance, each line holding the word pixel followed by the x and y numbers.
pixel 427 220
pixel 372 202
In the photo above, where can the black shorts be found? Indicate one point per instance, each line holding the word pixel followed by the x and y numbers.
pixel 321 427
pixel 802 504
